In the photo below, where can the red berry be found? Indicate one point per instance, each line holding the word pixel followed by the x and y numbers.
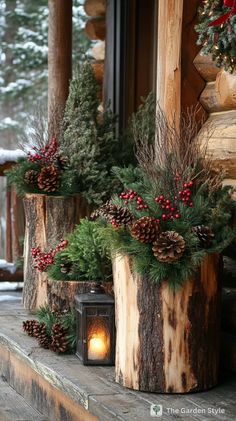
pixel 177 215
pixel 164 216
pixel 190 184
pixel 191 204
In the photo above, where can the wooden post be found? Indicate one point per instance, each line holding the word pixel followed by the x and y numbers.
pixel 59 56
pixel 48 219
pixel 169 57
pixel 167 342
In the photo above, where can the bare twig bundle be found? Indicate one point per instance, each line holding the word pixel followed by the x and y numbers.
pixel 39 130
pixel 177 150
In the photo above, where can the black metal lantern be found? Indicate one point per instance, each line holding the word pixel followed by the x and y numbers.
pixel 95 327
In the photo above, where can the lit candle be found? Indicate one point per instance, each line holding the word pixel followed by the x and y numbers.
pixel 97 349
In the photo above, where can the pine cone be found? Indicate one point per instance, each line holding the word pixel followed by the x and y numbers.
pixel 31 178
pixel 169 247
pixel 145 229
pixel 205 235
pixel 62 161
pixel 66 268
pixel 29 326
pixel 48 179
pixel 59 342
pixel 114 214
pixel 42 336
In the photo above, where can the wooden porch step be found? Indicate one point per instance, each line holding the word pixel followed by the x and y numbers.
pixel 13 406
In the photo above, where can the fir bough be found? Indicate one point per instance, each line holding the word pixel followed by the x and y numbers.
pixel 85 255
pixel 219 40
pixel 68 321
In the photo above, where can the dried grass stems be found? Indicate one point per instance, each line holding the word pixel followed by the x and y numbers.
pixel 41 126
pixel 177 149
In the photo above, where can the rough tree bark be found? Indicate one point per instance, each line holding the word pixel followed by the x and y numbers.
pixel 167 341
pixel 48 219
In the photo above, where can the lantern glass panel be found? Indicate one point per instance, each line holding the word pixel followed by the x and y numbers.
pixel 98 338
pixel 80 344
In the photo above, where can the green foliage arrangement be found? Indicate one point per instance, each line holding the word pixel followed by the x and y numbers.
pixel 44 171
pixel 54 329
pixel 67 321
pixel 173 210
pixel 89 139
pixel 84 257
pixel 217 32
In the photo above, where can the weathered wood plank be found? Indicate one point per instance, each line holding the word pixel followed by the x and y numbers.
pixel 13 407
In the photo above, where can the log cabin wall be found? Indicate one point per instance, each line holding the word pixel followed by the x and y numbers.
pixel 95 29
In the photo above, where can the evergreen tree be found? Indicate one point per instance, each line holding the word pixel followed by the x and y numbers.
pixel 89 137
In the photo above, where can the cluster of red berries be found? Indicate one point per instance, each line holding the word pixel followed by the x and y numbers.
pixel 133 195
pixel 42 259
pixel 185 194
pixel 44 155
pixel 114 223
pixel 170 208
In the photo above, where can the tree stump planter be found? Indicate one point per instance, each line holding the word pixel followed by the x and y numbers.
pixel 62 293
pixel 48 219
pixel 167 342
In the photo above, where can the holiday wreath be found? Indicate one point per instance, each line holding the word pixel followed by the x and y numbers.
pixel 217 32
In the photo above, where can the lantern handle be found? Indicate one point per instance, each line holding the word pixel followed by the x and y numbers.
pixel 96 288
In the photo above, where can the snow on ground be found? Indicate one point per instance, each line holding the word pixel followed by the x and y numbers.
pixel 9 155
pixel 9 298
pixel 10 286
pixel 10 267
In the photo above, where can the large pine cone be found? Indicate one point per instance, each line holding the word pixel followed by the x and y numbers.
pixel 114 213
pixel 29 327
pixel 205 235
pixel 145 229
pixel 48 179
pixel 59 342
pixel 169 247
pixel 42 336
pixel 31 178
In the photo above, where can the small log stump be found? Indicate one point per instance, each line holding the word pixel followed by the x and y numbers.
pixel 48 219
pixel 167 342
pixel 62 293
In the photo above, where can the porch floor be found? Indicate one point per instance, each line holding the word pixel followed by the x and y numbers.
pixel 91 388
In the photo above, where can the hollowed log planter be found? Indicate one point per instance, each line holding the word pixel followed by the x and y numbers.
pixel 167 342
pixel 48 219
pixel 62 293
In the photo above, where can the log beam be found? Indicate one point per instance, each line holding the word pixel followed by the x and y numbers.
pixel 95 7
pixel 169 57
pixel 95 28
pixel 59 58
